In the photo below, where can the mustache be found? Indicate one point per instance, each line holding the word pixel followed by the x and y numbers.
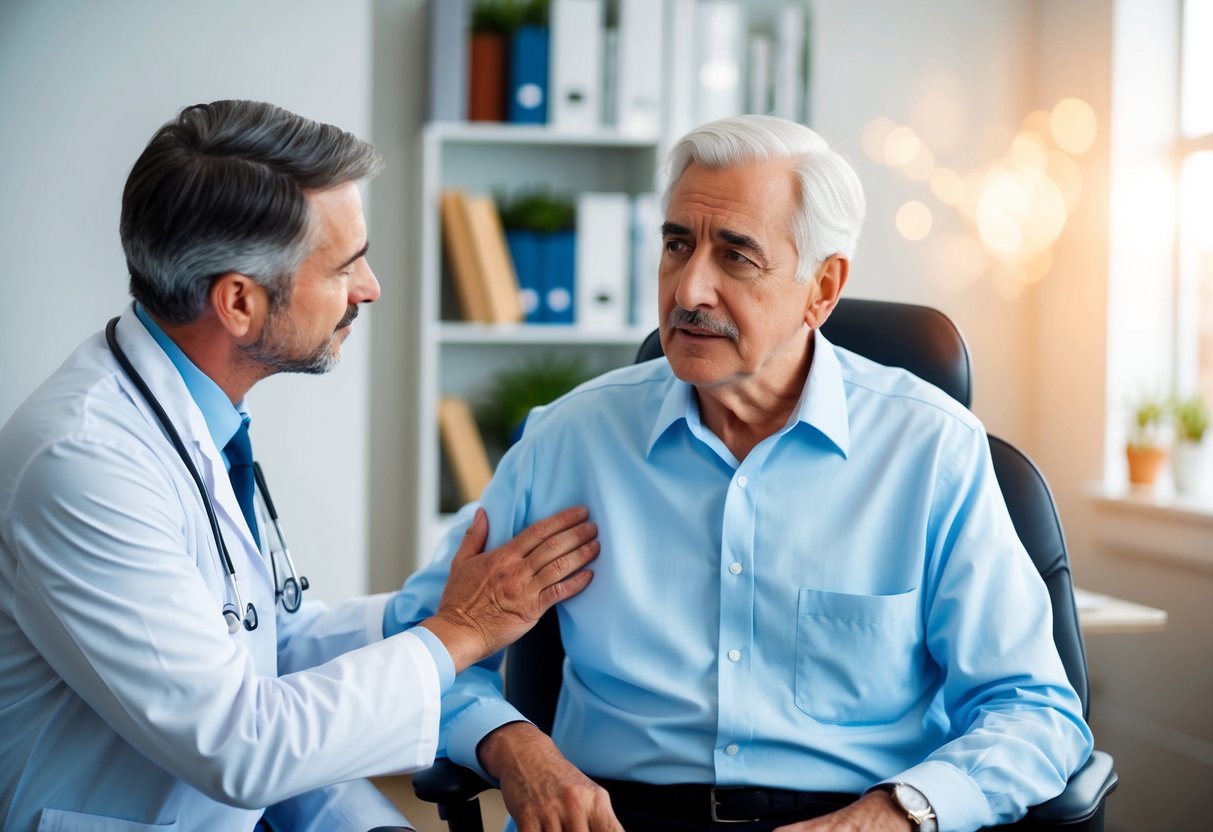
pixel 348 317
pixel 699 319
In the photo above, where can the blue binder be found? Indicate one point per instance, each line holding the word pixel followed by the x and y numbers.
pixel 528 76
pixel 558 253
pixel 524 250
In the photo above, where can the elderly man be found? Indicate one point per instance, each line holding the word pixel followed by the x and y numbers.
pixel 809 580
pixel 157 669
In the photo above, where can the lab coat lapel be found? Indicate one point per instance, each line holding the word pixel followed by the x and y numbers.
pixel 169 388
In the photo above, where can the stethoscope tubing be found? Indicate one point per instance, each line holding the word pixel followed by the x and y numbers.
pixel 245 614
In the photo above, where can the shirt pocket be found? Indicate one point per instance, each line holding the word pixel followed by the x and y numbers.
pixel 858 657
pixel 61 820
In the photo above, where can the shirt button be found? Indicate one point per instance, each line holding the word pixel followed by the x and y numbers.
pixel 743 481
pixel 734 655
pixel 731 749
pixel 735 568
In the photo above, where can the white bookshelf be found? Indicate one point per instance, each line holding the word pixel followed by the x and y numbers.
pixel 458 357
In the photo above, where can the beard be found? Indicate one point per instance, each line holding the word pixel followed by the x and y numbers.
pixel 277 347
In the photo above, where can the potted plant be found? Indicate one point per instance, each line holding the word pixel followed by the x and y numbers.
pixel 1190 460
pixel 515 391
pixel 493 24
pixel 1146 450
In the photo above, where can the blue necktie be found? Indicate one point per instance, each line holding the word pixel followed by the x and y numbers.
pixel 239 453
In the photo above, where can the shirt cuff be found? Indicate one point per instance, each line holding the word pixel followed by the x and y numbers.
pixel 442 657
pixel 958 802
pixel 473 725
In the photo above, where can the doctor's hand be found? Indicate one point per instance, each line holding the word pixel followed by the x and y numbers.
pixel 541 789
pixel 492 598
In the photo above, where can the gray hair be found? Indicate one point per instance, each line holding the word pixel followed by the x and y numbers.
pixel 222 188
pixel 832 204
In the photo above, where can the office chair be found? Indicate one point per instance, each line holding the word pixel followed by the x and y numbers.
pixel 927 343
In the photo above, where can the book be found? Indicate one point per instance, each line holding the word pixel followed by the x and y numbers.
pixel 464 447
pixel 638 94
pixel 604 245
pixel 448 59
pixel 496 269
pixel 461 257
pixel 528 86
pixel 680 84
pixel 576 64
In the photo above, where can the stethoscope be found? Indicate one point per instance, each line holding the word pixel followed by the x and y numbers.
pixel 290 592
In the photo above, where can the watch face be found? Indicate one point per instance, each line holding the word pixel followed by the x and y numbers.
pixel 911 799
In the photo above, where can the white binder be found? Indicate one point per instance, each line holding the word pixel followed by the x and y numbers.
pixel 604 248
pixel 576 68
pixel 638 107
pixel 721 36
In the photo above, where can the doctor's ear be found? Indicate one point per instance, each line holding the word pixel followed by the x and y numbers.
pixel 826 289
pixel 239 303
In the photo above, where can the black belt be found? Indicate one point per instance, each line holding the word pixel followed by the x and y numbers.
pixel 703 803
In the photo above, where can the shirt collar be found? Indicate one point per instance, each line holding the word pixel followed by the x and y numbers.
pixel 822 405
pixel 221 416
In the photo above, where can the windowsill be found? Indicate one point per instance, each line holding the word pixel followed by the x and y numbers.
pixel 1155 524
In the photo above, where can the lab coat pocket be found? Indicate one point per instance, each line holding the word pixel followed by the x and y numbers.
pixel 858 657
pixel 61 820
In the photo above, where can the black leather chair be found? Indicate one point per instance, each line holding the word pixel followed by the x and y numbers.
pixel 926 342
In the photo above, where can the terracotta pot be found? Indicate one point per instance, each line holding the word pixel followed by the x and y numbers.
pixel 1144 464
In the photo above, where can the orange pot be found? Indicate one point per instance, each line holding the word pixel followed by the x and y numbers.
pixel 1144 464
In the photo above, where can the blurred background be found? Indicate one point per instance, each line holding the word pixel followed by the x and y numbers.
pixel 1040 170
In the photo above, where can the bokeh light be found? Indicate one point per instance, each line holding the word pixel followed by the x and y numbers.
pixel 914 220
pixel 946 185
pixel 901 146
pixel 1072 125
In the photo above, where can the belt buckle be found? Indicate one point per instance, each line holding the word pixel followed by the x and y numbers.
pixel 716 818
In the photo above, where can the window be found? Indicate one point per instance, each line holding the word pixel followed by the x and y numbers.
pixel 1194 156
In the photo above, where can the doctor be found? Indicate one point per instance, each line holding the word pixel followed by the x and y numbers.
pixel 156 668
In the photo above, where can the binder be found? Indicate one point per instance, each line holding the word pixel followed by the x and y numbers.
pixel 448 60
pixel 464 447
pixel 493 258
pixel 638 102
pixel 720 29
pixel 604 236
pixel 680 89
pixel 646 259
pixel 576 64
pixel 459 244
pixel 790 63
pixel 528 86
pixel 524 251
pixel 486 77
pixel 558 262
pixel 758 86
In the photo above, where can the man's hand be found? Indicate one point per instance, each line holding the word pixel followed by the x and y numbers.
pixel 874 812
pixel 492 598
pixel 541 789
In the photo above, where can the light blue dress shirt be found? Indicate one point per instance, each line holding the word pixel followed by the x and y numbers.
pixel 847 605
pixel 222 421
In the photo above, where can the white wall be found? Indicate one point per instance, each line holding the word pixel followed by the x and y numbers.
pixel 83 86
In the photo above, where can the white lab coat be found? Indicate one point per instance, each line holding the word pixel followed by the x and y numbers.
pixel 122 695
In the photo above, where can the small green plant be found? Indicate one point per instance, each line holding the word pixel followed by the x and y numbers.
pixel 1149 415
pixel 1191 417
pixel 536 210
pixel 514 392
pixel 505 16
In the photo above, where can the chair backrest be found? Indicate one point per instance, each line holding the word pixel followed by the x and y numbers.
pixel 927 343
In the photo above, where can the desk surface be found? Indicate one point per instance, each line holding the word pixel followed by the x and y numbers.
pixel 1102 614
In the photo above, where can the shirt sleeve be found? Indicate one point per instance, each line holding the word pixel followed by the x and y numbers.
pixel 108 590
pixel 989 626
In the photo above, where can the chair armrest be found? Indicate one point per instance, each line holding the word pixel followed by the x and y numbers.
pixel 1083 795
pixel 446 782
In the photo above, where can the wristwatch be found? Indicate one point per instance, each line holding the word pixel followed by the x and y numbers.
pixel 914 803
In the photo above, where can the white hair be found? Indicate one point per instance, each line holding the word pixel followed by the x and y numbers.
pixel 832 204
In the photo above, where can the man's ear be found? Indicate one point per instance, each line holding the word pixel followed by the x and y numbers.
pixel 239 303
pixel 826 290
